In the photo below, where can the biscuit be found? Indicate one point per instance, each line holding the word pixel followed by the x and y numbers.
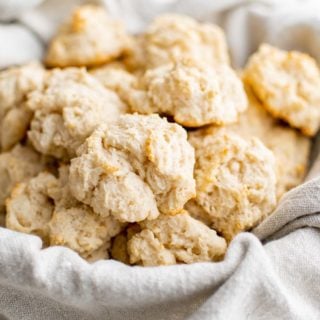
pixel 115 77
pixel 135 57
pixel 193 94
pixel 76 226
pixel 255 121
pixel 175 239
pixel 2 218
pixel 119 248
pixel 100 254
pixel 89 38
pixel 291 149
pixel 30 207
pixel 171 38
pixel 17 165
pixel 15 84
pixel 287 84
pixel 61 194
pixel 198 212
pixel 134 169
pixel 68 109
pixel 235 180
pixel 45 207
pixel 83 231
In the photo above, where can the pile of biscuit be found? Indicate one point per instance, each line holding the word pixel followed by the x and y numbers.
pixel 151 149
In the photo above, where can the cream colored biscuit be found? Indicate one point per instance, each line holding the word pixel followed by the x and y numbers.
pixel 30 207
pixel 135 57
pixel 255 121
pixel 287 83
pixel 44 206
pixel 90 37
pixel 83 231
pixel 115 77
pixel 61 194
pixel 100 254
pixel 198 212
pixel 15 85
pixel 76 226
pixel 235 179
pixel 17 165
pixel 68 109
pixel 291 149
pixel 134 169
pixel 119 248
pixel 194 95
pixel 172 37
pixel 175 239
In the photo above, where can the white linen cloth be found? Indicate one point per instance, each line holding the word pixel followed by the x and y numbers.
pixel 272 273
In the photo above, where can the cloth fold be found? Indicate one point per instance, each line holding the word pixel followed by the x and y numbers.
pixel 303 203
pixel 270 273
